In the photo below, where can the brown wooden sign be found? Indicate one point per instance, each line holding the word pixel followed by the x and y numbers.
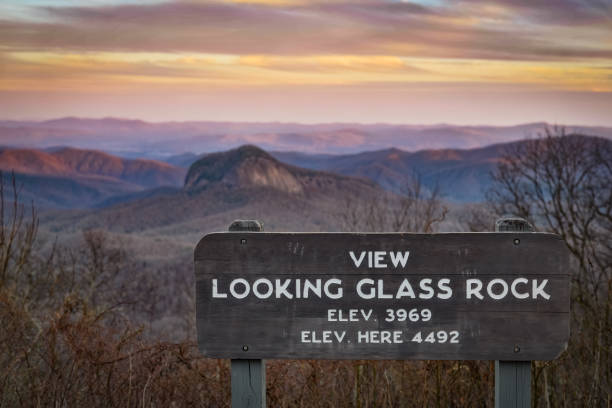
pixel 450 296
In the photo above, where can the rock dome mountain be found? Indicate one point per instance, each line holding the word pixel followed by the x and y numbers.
pixel 245 166
pixel 249 166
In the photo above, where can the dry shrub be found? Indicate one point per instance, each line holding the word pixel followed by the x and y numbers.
pixel 363 384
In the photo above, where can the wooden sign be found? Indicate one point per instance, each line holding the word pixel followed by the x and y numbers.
pixel 450 296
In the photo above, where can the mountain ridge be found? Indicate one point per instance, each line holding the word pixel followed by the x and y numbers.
pixel 71 178
pixel 69 161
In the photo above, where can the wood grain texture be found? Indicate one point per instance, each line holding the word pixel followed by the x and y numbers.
pixel 248 383
pixel 512 384
pixel 506 329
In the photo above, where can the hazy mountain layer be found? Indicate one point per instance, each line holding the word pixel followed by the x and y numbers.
pixel 135 138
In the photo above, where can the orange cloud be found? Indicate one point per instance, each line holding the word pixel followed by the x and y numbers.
pixel 107 71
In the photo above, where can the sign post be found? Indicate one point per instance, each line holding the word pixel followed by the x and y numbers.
pixel 512 378
pixel 449 296
pixel 248 376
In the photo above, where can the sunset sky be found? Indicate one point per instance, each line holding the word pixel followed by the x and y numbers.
pixel 428 61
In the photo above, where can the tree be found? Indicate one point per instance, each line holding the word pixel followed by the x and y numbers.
pixel 563 184
pixel 412 383
pixel 415 210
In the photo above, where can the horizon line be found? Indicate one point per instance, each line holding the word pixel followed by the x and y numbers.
pixel 304 123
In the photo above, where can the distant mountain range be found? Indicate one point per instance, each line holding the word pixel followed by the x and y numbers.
pixel 75 178
pixel 135 138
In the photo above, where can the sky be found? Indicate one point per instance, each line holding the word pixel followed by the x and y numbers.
pixel 494 62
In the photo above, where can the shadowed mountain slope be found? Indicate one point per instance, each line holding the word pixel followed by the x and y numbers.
pixel 461 175
pixel 69 178
pixel 76 162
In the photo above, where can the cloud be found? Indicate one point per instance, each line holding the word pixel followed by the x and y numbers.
pixel 556 12
pixel 126 71
pixel 465 29
pixel 123 71
pixel 343 64
pixel 188 45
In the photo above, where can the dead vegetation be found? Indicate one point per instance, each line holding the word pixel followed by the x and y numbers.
pixel 76 332
pixel 414 210
pixel 563 184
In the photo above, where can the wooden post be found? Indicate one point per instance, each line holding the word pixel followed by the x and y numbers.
pixel 248 383
pixel 248 376
pixel 513 378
